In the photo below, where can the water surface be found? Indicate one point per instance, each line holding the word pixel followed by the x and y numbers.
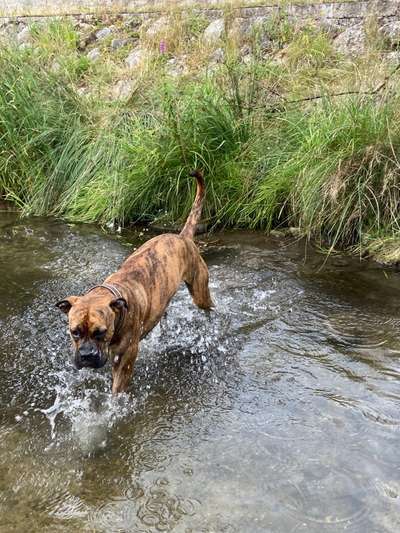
pixel 280 413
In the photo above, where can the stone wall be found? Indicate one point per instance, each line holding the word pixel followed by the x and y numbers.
pixel 331 14
pixel 56 7
pixel 342 12
pixel 344 21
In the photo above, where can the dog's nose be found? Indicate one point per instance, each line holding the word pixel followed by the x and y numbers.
pixel 87 351
pixel 87 355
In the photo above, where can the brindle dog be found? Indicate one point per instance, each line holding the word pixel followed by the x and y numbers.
pixel 110 319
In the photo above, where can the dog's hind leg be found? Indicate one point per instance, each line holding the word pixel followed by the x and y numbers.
pixel 198 286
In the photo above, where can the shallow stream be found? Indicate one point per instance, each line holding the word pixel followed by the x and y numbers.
pixel 279 414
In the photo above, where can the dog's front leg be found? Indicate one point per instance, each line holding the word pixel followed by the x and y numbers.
pixel 122 369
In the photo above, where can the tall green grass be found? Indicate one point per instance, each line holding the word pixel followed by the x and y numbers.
pixel 329 168
pixel 333 171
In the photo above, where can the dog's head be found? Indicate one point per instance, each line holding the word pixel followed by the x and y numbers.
pixel 92 321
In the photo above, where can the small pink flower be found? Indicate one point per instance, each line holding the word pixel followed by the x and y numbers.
pixel 163 47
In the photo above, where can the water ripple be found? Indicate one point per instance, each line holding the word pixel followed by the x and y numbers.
pixel 278 412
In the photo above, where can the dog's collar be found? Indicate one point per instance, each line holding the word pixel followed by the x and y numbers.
pixel 115 292
pixel 112 288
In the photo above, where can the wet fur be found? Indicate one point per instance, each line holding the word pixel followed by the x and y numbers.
pixel 147 280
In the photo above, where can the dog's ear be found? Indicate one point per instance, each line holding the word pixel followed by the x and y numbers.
pixel 119 304
pixel 65 305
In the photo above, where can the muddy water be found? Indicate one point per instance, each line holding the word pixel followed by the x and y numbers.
pixel 278 414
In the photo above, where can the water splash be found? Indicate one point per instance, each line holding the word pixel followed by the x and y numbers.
pixel 83 404
pixel 84 409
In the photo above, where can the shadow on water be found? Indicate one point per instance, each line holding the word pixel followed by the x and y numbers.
pixel 278 413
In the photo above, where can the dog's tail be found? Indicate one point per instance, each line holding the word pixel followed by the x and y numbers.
pixel 189 228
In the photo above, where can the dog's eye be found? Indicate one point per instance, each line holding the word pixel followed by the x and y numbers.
pixel 76 333
pixel 99 334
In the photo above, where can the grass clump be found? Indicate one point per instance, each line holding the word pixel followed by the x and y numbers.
pixel 337 175
pixel 327 166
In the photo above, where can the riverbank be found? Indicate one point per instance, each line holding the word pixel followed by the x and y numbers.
pixel 102 122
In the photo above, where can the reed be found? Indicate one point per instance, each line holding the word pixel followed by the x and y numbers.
pixel 327 166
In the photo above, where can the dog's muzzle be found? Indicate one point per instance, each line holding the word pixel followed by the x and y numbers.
pixel 89 356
